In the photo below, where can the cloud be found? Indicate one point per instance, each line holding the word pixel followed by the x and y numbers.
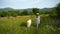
pixel 32 1
pixel 14 0
pixel 37 1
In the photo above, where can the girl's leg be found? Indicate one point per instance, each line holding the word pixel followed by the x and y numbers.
pixel 37 26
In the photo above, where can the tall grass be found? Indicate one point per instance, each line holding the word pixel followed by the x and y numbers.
pixel 17 25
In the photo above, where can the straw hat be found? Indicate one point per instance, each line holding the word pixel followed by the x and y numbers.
pixel 37 13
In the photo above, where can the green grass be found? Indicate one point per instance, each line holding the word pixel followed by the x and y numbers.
pixel 18 25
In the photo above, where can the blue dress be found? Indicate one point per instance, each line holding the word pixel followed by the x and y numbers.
pixel 38 20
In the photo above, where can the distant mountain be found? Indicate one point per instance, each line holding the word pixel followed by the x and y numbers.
pixel 46 9
pixel 29 9
pixel 6 9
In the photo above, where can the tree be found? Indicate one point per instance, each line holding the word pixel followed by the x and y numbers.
pixel 35 10
pixel 58 9
pixel 53 12
pixel 25 12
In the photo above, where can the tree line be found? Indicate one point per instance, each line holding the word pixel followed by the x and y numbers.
pixel 15 13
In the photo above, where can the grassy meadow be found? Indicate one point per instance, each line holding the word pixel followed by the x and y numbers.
pixel 18 25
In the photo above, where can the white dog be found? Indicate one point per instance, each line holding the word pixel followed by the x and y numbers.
pixel 29 23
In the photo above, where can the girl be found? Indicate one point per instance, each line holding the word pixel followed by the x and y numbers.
pixel 37 19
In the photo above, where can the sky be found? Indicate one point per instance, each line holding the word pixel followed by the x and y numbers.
pixel 23 4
